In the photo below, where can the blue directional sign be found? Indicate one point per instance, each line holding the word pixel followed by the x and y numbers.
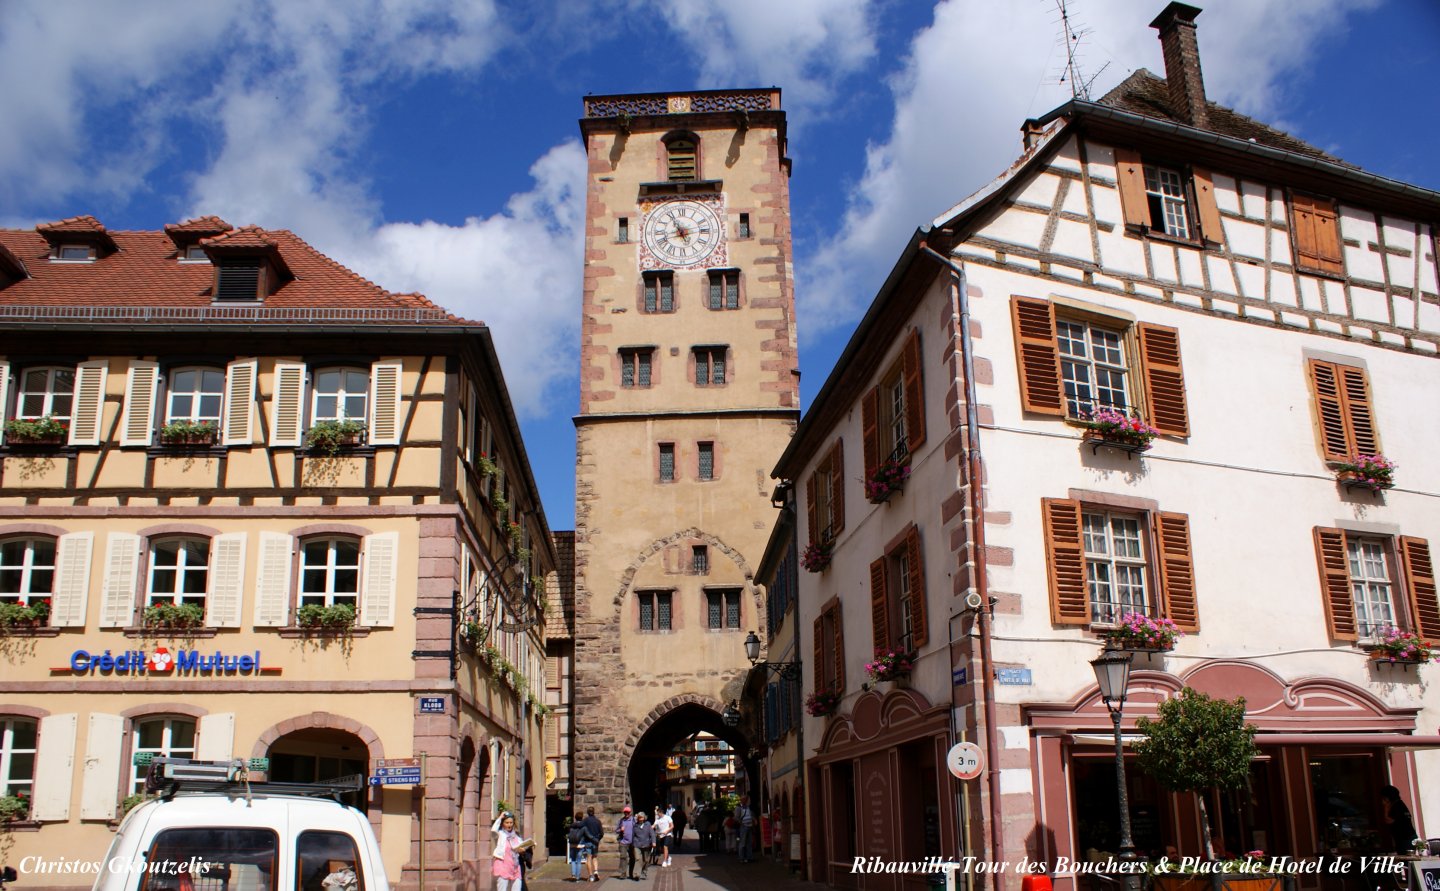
pixel 960 676
pixel 396 776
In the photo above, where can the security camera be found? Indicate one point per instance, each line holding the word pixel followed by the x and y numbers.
pixel 973 600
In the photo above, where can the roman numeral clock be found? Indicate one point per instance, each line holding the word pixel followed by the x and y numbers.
pixel 684 233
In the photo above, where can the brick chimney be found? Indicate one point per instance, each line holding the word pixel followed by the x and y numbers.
pixel 1176 25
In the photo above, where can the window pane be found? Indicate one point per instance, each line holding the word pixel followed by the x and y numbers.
pixel 707 461
pixel 209 408
pixel 325 408
pixel 627 369
pixel 150 734
pixel 356 382
pixel 347 581
pixel 327 381
pixel 647 612
pixel 313 580
pixel 718 360
pixel 182 735
pixel 644 362
pixel 732 609
pixel 713 608
pixel 355 408
pixel 662 609
pixel 167 553
pixel 10 581
pixel 347 553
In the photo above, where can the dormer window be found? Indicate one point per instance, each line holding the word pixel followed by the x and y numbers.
pixel 194 254
pixel 238 281
pixel 75 253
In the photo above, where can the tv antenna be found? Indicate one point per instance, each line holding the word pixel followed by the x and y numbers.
pixel 1072 35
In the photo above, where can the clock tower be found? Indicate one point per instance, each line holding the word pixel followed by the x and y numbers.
pixel 689 392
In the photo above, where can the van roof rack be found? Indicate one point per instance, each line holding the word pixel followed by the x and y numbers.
pixel 168 776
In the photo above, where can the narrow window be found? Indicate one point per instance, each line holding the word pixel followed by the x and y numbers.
pixel 1165 193
pixel 744 225
pixel 622 233
pixel 659 292
pixel 635 368
pixel 709 366
pixel 194 254
pixel 75 253
pixel 1370 583
pixel 707 461
pixel 680 159
pixel 699 559
pixel 667 462
pixel 17 757
pixel 722 609
pixel 655 610
pixel 724 289
pixel 27 570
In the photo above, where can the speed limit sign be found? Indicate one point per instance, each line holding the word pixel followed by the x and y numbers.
pixel 965 760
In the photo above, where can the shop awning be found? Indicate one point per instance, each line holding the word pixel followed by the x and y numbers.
pixel 1388 740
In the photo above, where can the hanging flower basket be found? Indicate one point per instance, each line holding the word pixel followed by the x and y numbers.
pixel 886 480
pixel 1373 472
pixel 1113 427
pixel 817 556
pixel 189 433
pixel 822 703
pixel 1139 632
pixel 1394 645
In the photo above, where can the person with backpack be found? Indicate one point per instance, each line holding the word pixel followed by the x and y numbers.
pixel 579 843
pixel 597 832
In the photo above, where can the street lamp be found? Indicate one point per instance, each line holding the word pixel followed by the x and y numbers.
pixel 1112 675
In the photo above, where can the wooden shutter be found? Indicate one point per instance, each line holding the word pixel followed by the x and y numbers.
pixel 377 589
pixel 137 421
pixel 100 778
pixel 870 429
pixel 4 394
pixel 1211 228
pixel 122 556
pixel 1335 583
pixel 919 627
pixel 879 606
pixel 812 511
pixel 287 405
pixel 227 580
pixel 1420 585
pixel 914 392
pixel 837 488
pixel 1130 180
pixel 72 579
pixel 272 580
pixel 1164 379
pixel 1330 411
pixel 215 737
pixel 1037 355
pixel 1356 391
pixel 1316 234
pixel 89 405
pixel 818 645
pixel 240 402
pixel 1177 571
pixel 838 656
pixel 54 768
pixel 1069 599
pixel 384 404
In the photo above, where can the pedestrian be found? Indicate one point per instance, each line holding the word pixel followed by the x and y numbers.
pixel 579 843
pixel 505 859
pixel 597 832
pixel 1398 820
pixel 664 836
pixel 745 830
pixel 625 835
pixel 681 821
pixel 644 842
pixel 731 829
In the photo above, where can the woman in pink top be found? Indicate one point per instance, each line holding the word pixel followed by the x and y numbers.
pixel 505 862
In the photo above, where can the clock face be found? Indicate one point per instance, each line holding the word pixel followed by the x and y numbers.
pixel 682 233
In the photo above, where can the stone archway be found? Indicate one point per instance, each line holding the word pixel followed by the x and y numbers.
pixel 671 722
pixel 325 722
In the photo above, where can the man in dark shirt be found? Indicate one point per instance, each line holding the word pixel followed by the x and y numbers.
pixel 597 832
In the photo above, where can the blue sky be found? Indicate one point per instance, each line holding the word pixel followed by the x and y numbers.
pixel 432 146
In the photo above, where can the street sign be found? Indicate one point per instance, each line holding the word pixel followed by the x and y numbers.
pixel 398 762
pixel 432 705
pixel 396 776
pixel 965 760
pixel 960 677
pixel 1014 677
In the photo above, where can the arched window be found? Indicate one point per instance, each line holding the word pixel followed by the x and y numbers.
pixel 179 571
pixel 46 392
pixel 330 572
pixel 195 395
pixel 17 756
pixel 172 737
pixel 340 394
pixel 27 569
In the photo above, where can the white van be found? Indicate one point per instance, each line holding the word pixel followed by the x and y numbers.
pixel 226 834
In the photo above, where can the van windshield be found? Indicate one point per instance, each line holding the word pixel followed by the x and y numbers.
pixel 216 857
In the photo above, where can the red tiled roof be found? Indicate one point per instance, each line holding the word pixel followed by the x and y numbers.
pixel 81 225
pixel 210 225
pixel 145 271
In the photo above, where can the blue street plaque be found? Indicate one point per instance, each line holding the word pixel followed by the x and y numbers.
pixel 432 705
pixel 1013 677
pixel 960 677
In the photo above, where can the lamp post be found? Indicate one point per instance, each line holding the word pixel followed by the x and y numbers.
pixel 790 673
pixel 1112 675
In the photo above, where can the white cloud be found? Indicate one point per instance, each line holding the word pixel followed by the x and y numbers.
pixel 981 69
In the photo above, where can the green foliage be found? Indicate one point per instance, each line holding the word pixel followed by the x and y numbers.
pixel 329 436
pixel 129 803
pixel 39 428
pixel 14 807
pixel 173 616
pixel 497 501
pixel 1198 743
pixel 487 467
pixel 316 615
pixel 179 431
pixel 20 614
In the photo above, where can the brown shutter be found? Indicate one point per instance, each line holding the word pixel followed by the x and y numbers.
pixel 812 515
pixel 819 647
pixel 1177 571
pixel 1069 603
pixel 1037 355
pixel 1335 583
pixel 837 487
pixel 1130 179
pixel 1164 378
pixel 870 428
pixel 879 606
pixel 914 393
pixel 1330 410
pixel 839 655
pixel 1210 226
pixel 1316 233
pixel 920 631
pixel 1420 584
pixel 1356 392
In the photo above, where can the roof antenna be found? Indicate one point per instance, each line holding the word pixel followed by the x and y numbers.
pixel 1079 83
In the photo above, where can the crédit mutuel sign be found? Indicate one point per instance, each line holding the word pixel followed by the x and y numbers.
pixel 161 661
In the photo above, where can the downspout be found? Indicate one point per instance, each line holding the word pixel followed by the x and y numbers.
pixel 960 303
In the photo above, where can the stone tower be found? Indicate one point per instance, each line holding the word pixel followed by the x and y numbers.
pixel 689 391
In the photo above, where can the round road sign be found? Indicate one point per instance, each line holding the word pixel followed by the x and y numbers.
pixel 965 760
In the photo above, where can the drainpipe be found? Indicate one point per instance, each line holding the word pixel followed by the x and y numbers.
pixel 960 302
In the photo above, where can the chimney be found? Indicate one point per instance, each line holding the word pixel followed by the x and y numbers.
pixel 1176 25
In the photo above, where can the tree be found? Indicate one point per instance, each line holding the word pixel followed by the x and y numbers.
pixel 1198 744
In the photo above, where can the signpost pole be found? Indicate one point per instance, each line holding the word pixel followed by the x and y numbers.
pixel 421 787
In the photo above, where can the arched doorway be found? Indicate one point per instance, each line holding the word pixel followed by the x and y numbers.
pixel 674 752
pixel 317 754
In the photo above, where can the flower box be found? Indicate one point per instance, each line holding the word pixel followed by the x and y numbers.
pixel 886 480
pixel 890 664
pixel 173 617
pixel 337 618
pixel 817 556
pixel 1372 472
pixel 1139 633
pixel 822 703
pixel 1117 430
pixel 20 617
pixel 189 433
pixel 44 431
pixel 329 437
pixel 1395 646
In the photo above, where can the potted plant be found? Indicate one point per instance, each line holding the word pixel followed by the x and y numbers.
pixel 174 616
pixel 1372 472
pixel 319 617
pixel 1393 645
pixel 817 556
pixel 1139 632
pixel 20 615
pixel 822 703
pixel 189 433
pixel 471 630
pixel 14 808
pixel 890 664
pixel 487 467
pixel 36 431
pixel 1118 428
pixel 886 480
pixel 516 533
pixel 331 436
pixel 1197 744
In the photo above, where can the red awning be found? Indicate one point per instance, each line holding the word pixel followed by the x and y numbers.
pixel 1389 740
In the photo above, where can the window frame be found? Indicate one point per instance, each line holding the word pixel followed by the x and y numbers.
pixel 655 597
pixel 1115 561
pixel 705 454
pixel 11 785
pixel 1362 602
pixel 657 286
pixel 898 605
pixel 714 360
pixel 637 365
pixel 1414 603
pixel 330 596
pixel 197 395
pixel 1203 222
pixel 181 568
pixel 340 395
pixel 167 748
pixel 27 568
pixel 1124 349
pixel 828 646
pixel 60 251
pixel 47 394
pixel 722 289
pixel 699 559
pixel 726 604
pixel 666 449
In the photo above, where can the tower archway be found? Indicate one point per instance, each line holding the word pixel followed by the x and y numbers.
pixel 677 725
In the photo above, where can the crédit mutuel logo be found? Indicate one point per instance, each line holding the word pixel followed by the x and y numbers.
pixel 164 662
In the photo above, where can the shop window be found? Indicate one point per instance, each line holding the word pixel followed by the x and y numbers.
pixel 179 572
pixel 330 572
pixel 160 737
pixel 1371 583
pixel 1315 227
pixel 27 570
pixel 17 757
pixel 893 411
pixel 1073 361
pixel 825 496
pixel 709 365
pixel 655 606
pixel 897 596
pixel 328 860
pixel 829 648
pixel 195 396
pixel 340 394
pixel 46 392
pixel 635 367
pixel 1159 198
pixel 724 289
pixel 722 609
pixel 659 292
pixel 1341 398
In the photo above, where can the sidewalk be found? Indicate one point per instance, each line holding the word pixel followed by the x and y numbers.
pixel 689 871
